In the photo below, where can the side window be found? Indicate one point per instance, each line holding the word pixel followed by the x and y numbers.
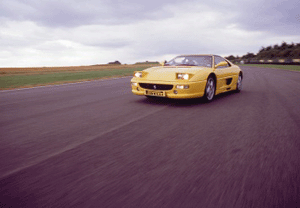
pixel 219 59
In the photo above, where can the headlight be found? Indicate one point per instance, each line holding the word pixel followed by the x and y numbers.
pixel 183 76
pixel 138 74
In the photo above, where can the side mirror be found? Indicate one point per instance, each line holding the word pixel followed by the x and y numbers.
pixel 223 63
pixel 162 63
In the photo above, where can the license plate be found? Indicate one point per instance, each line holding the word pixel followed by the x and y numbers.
pixel 155 93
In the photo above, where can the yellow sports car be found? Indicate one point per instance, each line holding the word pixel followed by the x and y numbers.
pixel 189 76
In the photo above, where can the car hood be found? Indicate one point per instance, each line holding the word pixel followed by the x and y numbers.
pixel 169 73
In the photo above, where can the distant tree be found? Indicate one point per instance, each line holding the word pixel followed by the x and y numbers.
pixel 291 46
pixel 283 46
pixel 231 57
pixel 295 53
pixel 285 53
pixel 276 47
pixel 268 48
pixel 262 50
pixel 248 56
pixel 115 62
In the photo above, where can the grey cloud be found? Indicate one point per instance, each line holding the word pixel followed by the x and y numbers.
pixel 278 17
pixel 65 28
pixel 74 13
pixel 112 44
pixel 178 47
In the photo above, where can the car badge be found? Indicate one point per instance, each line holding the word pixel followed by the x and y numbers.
pixel 154 87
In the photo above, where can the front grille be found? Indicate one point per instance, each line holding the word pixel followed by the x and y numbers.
pixel 156 86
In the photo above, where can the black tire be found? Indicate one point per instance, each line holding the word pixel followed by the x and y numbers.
pixel 239 83
pixel 210 89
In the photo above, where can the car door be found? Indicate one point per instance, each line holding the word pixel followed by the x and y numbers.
pixel 224 75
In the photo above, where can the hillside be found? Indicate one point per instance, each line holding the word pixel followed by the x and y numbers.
pixel 284 53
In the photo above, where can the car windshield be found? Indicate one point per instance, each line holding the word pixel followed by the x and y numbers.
pixel 205 61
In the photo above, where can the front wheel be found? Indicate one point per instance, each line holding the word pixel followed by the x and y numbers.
pixel 239 84
pixel 210 89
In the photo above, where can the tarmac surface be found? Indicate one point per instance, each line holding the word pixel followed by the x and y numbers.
pixel 95 144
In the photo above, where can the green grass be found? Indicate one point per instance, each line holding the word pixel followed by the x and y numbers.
pixel 275 66
pixel 16 81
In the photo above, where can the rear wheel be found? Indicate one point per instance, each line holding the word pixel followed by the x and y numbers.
pixel 210 89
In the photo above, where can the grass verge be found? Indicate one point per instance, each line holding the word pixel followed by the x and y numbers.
pixel 275 66
pixel 32 80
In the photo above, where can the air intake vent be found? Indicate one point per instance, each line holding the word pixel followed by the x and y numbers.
pixel 156 86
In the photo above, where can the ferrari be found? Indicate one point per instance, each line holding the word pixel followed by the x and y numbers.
pixel 189 76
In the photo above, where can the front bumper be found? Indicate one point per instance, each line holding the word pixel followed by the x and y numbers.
pixel 195 90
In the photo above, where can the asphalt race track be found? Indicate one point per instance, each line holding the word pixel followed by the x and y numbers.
pixel 95 144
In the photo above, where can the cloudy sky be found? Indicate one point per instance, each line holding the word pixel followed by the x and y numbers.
pixel 86 32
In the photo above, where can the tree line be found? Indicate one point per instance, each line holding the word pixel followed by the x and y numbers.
pixel 276 52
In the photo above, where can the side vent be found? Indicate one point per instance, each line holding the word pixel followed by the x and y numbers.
pixel 228 81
